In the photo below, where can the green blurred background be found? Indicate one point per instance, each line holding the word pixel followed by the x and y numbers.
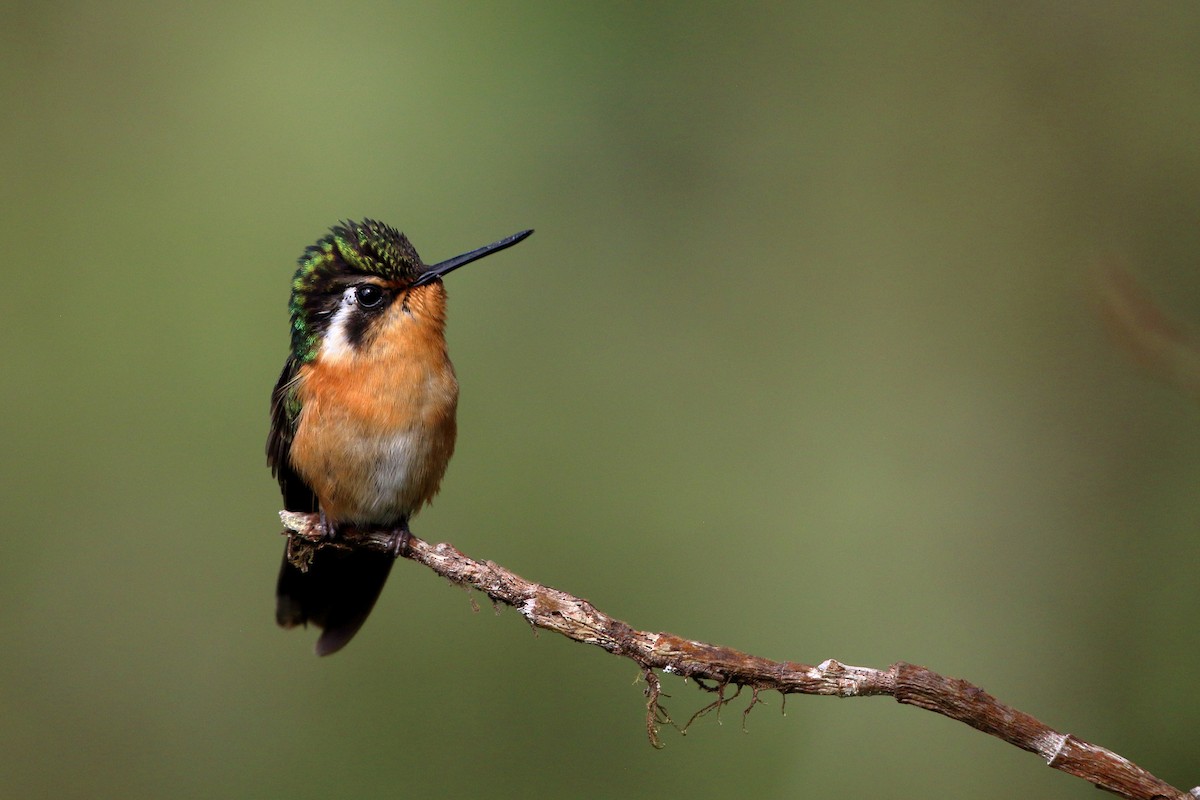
pixel 801 360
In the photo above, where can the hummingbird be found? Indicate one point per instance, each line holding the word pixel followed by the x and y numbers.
pixel 363 415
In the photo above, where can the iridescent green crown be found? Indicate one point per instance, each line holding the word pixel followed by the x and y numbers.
pixel 350 249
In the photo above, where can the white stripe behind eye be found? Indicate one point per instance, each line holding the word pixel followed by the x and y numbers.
pixel 336 346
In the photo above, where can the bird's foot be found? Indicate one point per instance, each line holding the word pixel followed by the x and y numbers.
pixel 329 528
pixel 398 542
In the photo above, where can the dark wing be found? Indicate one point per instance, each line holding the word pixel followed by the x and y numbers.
pixel 284 408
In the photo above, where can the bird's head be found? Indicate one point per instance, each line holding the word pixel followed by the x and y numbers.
pixel 358 275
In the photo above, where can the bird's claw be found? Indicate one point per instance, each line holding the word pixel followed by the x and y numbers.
pixel 329 530
pixel 398 541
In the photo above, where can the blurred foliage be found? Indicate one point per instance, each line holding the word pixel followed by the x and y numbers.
pixel 801 360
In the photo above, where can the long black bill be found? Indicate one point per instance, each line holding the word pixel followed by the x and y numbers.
pixel 444 268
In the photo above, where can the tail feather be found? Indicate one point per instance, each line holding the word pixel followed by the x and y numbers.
pixel 337 594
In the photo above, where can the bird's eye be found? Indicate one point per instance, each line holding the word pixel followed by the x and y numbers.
pixel 369 295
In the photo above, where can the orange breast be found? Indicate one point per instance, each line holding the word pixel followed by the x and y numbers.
pixel 377 424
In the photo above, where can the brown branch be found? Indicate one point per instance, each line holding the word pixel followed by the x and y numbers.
pixel 714 668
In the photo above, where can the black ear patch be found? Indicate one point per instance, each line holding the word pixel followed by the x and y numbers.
pixel 370 301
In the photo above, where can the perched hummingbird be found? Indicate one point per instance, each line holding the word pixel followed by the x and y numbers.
pixel 362 418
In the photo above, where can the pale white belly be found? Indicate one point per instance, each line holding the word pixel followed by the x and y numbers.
pixel 401 475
